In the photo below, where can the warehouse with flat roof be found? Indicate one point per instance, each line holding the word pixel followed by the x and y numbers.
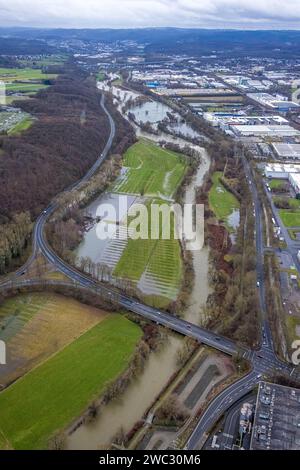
pixel 281 170
pixel 265 130
pixel 276 423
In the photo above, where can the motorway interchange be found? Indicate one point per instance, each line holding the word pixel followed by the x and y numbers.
pixel 263 361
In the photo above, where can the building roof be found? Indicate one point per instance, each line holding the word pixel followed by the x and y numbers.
pixel 277 418
pixel 282 168
pixel 287 150
pixel 267 130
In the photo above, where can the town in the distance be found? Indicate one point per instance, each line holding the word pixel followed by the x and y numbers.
pixel 140 343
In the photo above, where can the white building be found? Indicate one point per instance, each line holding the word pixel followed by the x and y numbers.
pixel 266 130
pixel 274 102
pixel 294 179
pixel 291 151
pixel 281 171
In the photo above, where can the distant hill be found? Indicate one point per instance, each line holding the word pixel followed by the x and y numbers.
pixel 23 46
pixel 173 40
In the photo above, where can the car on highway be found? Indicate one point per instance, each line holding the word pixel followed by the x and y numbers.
pixel 257 283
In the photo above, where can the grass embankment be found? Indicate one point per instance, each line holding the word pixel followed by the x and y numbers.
pixel 293 325
pixel 222 202
pixel 290 218
pixel 152 171
pixel 47 399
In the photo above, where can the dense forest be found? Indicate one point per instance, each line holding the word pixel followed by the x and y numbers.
pixel 69 132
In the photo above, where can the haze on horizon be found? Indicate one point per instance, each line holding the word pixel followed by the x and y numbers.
pixel 240 14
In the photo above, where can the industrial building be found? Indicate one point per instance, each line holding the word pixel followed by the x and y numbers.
pixel 226 120
pixel 281 170
pixel 274 102
pixel 290 151
pixel 265 131
pixel 277 418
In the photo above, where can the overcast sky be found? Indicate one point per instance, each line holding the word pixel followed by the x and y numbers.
pixel 141 13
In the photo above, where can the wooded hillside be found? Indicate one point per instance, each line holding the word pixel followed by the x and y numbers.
pixel 69 133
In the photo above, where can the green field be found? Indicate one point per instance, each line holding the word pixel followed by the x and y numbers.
pixel 155 265
pixel 277 183
pixel 100 76
pixel 294 203
pixel 292 323
pixel 21 80
pixel 11 98
pixel 11 75
pixel 4 116
pixel 17 311
pixel 161 259
pixel 46 399
pixel 25 87
pixel 151 170
pixel 221 201
pixel 290 218
pixel 117 82
pixel 14 122
pixel 53 59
